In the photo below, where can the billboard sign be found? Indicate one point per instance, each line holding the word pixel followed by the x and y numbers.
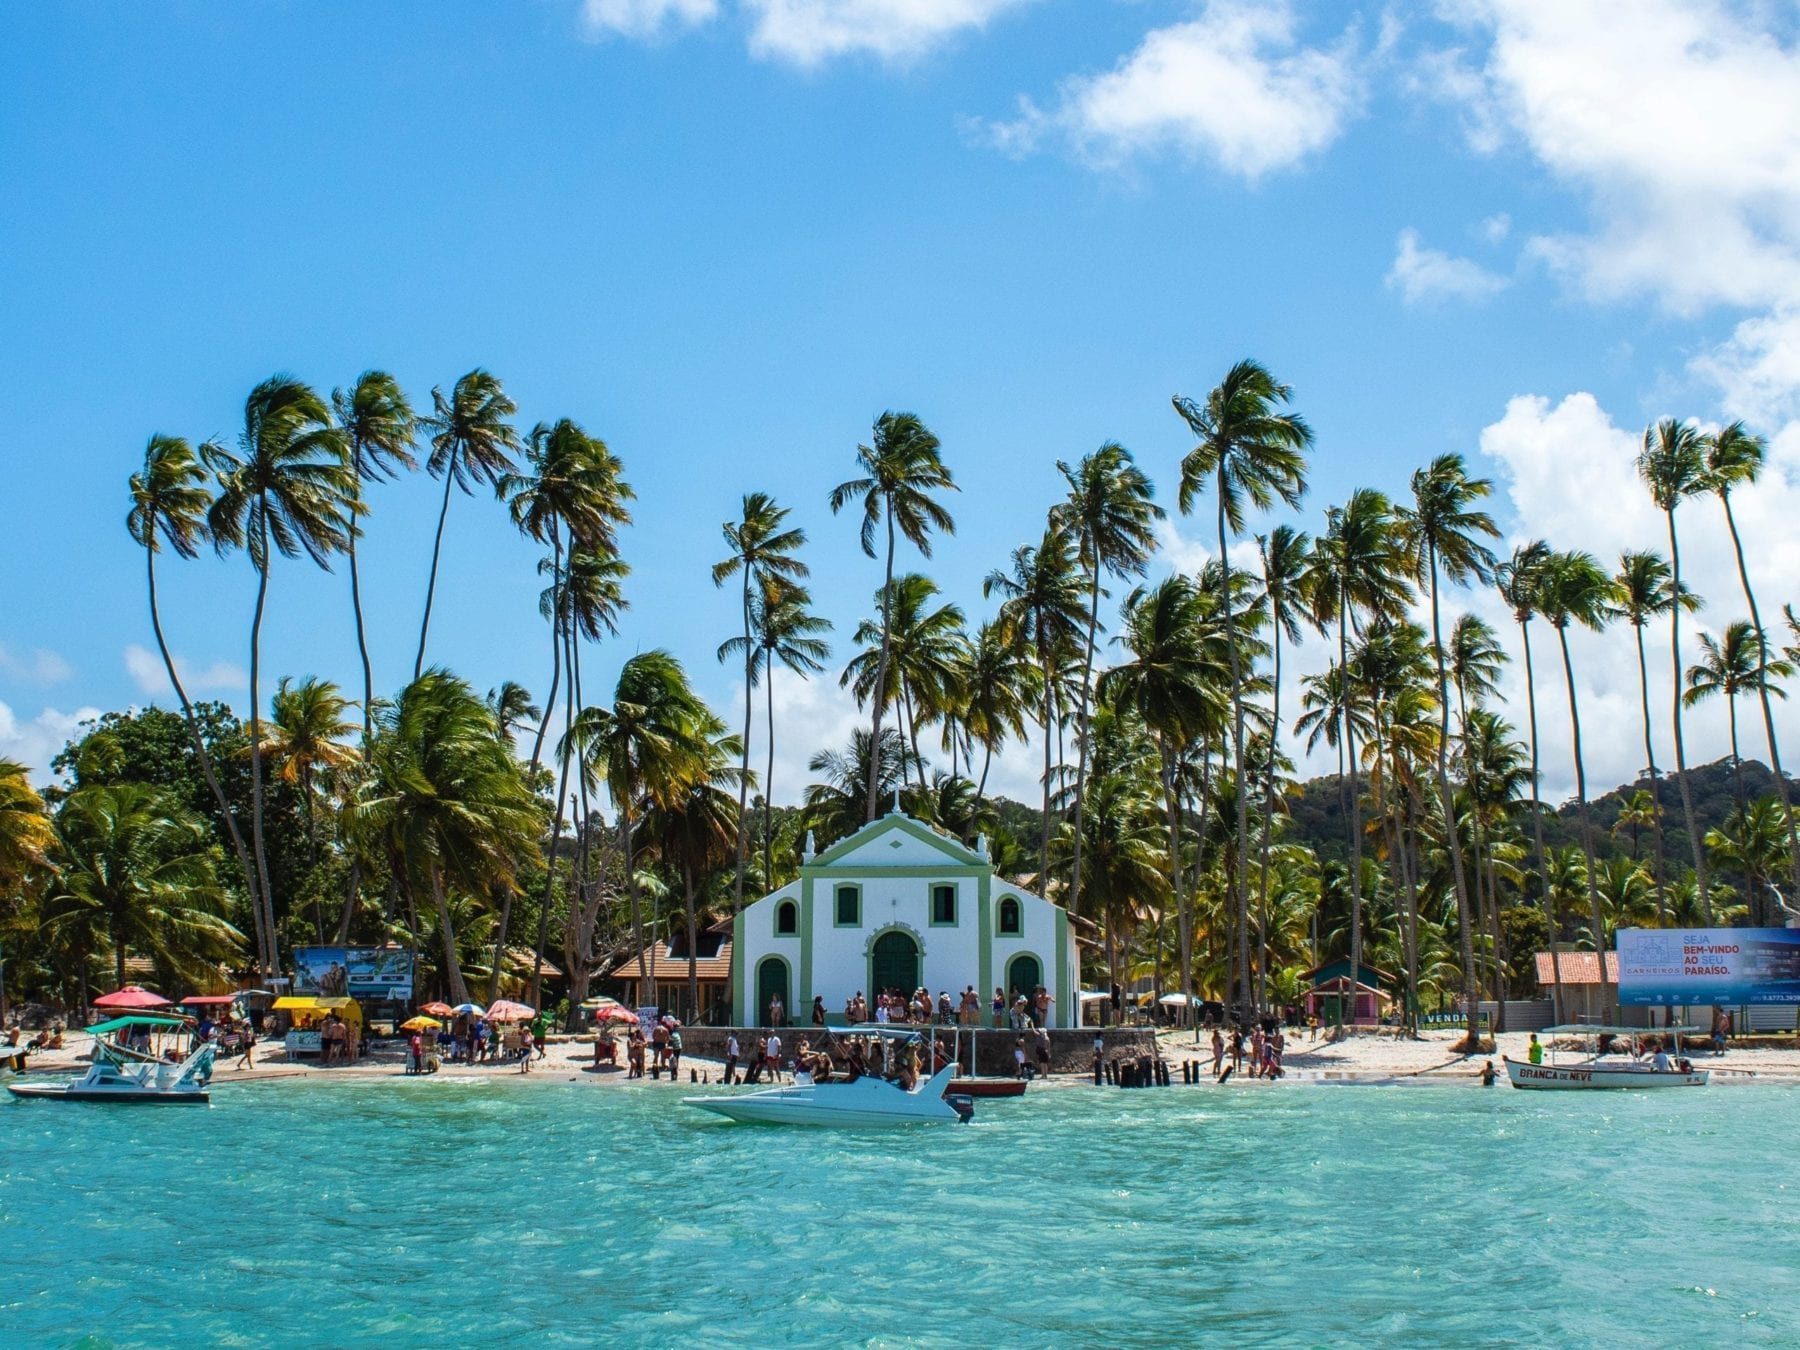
pixel 383 973
pixel 1663 967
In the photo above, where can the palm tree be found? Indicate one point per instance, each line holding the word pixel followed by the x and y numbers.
pixel 447 801
pixel 1358 569
pixel 1111 513
pixel 290 485
pixel 1284 553
pixel 1735 457
pixel 762 548
pixel 785 631
pixel 512 708
pixel 654 743
pixel 695 832
pixel 135 867
pixel 1574 588
pixel 923 644
pixel 1732 665
pixel 1518 580
pixel 1443 532
pixel 169 501
pixel 1041 609
pixel 25 839
pixel 1643 590
pixel 1254 453
pixel 379 428
pixel 303 742
pixel 1673 466
pixel 998 685
pixel 834 807
pixel 471 442
pixel 1751 842
pixel 1171 685
pixel 901 469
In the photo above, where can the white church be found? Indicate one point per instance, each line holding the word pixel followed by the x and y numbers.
pixel 899 906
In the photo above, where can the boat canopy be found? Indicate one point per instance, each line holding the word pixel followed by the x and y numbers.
pixel 135 1020
pixel 1588 1029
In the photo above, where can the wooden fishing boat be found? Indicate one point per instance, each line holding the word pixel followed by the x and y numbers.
pixel 1608 1072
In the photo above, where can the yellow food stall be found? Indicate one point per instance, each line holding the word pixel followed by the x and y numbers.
pixel 309 1015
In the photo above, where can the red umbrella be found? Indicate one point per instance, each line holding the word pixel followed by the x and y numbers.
pixel 437 1009
pixel 616 1013
pixel 508 1011
pixel 131 996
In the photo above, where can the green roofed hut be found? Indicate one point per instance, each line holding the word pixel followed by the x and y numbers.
pixel 1335 998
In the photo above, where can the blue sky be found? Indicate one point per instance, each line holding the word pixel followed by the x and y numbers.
pixel 725 234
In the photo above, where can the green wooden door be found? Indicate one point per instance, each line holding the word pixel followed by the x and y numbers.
pixel 771 979
pixel 894 964
pixel 1023 976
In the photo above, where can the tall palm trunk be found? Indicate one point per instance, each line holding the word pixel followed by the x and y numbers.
pixel 1184 920
pixel 1240 900
pixel 557 599
pixel 1268 814
pixel 206 764
pixel 459 992
pixel 1081 730
pixel 1049 690
pixel 693 941
pixel 562 792
pixel 769 786
pixel 881 669
pixel 1452 833
pixel 1687 792
pixel 1349 738
pixel 437 548
pixel 737 891
pixel 1655 779
pixel 631 894
pixel 1737 760
pixel 1762 690
pixel 272 954
pixel 1587 823
pixel 1537 828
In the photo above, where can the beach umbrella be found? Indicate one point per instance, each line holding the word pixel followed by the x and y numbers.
pixel 618 1012
pixel 471 1009
pixel 131 996
pixel 437 1009
pixel 1175 1000
pixel 507 1011
pixel 421 1024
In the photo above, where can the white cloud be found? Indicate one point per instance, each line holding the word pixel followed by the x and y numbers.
pixel 809 32
pixel 36 742
pixel 1423 275
pixel 146 668
pixel 1234 87
pixel 37 666
pixel 644 18
pixel 1495 228
pixel 1681 131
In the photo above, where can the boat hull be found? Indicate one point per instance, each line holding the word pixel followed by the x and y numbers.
pixel 988 1087
pixel 862 1103
pixel 768 1111
pixel 1598 1077
pixel 72 1093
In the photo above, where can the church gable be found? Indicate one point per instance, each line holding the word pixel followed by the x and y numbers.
pixel 895 841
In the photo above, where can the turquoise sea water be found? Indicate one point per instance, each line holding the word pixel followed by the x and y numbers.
pixel 402 1212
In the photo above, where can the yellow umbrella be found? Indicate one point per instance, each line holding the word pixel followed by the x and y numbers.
pixel 422 1024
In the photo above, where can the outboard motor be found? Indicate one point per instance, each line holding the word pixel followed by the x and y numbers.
pixel 963 1104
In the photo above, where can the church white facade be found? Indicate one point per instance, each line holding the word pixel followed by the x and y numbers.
pixel 899 906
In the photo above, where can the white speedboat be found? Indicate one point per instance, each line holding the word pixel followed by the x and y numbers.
pixel 1608 1072
pixel 120 1075
pixel 869 1101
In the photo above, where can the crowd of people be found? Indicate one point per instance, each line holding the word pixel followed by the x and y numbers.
pixel 1022 1012
pixel 1263 1047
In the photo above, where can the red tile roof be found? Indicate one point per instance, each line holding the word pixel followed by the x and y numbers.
pixel 1577 968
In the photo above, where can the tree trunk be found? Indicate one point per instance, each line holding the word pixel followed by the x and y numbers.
pixel 1082 729
pixel 272 957
pixel 693 943
pixel 562 792
pixel 1184 919
pixel 1587 823
pixel 1355 801
pixel 769 785
pixel 206 767
pixel 737 892
pixel 1655 779
pixel 1268 810
pixel 1762 690
pixel 1452 833
pixel 1537 828
pixel 459 992
pixel 1044 847
pixel 1687 792
pixel 1240 900
pixel 437 546
pixel 880 691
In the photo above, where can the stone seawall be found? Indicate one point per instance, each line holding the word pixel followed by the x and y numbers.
pixel 1070 1051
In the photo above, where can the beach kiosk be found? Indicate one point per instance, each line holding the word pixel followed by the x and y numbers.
pixel 309 1016
pixel 1334 998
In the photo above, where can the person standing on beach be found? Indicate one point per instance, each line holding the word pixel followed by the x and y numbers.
pixel 1535 1051
pixel 247 1060
pixel 1019 1058
pixel 526 1040
pixel 999 1008
pixel 540 1033
pixel 1218 1049
pixel 731 1058
pixel 777 1011
pixel 818 1010
pixel 1043 1051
